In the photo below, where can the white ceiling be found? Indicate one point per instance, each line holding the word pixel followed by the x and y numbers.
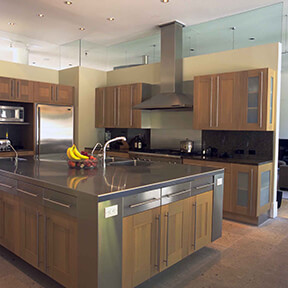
pixel 133 18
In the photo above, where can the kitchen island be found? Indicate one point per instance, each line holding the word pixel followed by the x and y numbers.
pixel 131 220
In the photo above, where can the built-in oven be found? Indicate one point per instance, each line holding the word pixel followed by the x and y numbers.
pixel 11 114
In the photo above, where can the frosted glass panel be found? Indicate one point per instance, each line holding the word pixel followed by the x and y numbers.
pixel 242 189
pixel 252 116
pixel 271 100
pixel 253 100
pixel 265 188
pixel 253 84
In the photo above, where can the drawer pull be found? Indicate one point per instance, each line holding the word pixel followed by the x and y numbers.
pixel 27 193
pixel 204 186
pixel 178 193
pixel 6 185
pixel 57 203
pixel 143 203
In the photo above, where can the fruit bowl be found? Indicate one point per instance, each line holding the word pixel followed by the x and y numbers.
pixel 83 164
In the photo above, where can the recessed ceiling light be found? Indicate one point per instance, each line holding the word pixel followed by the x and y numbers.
pixel 110 18
pixel 233 28
pixel 68 2
pixel 70 64
pixel 164 1
pixel 252 38
pixel 33 62
pixel 82 28
pixel 40 15
pixel 192 49
pixel 11 23
pixel 46 59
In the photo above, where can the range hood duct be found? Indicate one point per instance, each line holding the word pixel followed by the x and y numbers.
pixel 171 70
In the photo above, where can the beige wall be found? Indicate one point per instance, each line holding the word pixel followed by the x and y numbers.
pixel 23 71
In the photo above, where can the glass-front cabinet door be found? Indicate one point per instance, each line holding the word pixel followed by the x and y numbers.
pixel 243 187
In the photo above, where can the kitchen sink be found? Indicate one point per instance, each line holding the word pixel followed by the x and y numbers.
pixel 128 163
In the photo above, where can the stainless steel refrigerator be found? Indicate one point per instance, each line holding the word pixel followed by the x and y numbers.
pixel 54 131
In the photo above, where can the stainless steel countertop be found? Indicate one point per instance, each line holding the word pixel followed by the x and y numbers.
pixel 111 182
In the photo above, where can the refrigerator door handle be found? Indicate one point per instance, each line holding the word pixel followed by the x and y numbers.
pixel 38 131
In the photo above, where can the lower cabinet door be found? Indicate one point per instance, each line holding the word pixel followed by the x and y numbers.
pixel 31 234
pixel 203 219
pixel 9 222
pixel 60 235
pixel 141 240
pixel 174 232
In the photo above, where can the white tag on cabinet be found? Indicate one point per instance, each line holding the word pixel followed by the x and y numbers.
pixel 111 211
pixel 219 181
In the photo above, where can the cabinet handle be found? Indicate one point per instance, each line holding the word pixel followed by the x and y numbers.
pixel 56 93
pixel 211 102
pixel 178 193
pixel 45 244
pixel 12 88
pixel 217 103
pixel 37 215
pixel 131 102
pixel 27 193
pixel 195 224
pixel 143 203
pixel 114 120
pixel 57 203
pixel 204 186
pixel 18 90
pixel 6 185
pixel 251 192
pixel 158 219
pixel 51 93
pixel 103 118
pixel 167 239
pixel 118 106
pixel 261 99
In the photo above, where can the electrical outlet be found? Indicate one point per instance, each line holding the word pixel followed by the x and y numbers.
pixel 219 182
pixel 111 211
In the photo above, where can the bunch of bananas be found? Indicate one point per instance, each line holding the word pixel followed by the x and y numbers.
pixel 73 154
pixel 73 182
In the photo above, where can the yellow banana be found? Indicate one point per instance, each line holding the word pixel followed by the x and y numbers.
pixel 78 154
pixel 72 155
pixel 68 153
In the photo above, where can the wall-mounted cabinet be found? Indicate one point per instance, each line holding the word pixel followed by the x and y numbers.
pixel 114 105
pixel 235 101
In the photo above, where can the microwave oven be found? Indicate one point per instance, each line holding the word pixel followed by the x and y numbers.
pixel 11 114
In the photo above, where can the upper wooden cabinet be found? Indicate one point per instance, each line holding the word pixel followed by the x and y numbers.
pixel 235 101
pixel 113 106
pixel 53 94
pixel 16 90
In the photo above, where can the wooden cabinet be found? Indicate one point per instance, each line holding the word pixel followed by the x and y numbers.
pixel 141 255
pixel 60 236
pixel 9 222
pixel 16 90
pixel 53 94
pixel 235 101
pixel 113 106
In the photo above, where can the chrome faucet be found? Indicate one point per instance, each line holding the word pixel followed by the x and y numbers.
pixel 106 144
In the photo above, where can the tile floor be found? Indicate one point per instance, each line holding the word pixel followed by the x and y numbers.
pixel 245 256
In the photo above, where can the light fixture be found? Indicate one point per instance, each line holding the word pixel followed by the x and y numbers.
pixel 70 64
pixel 192 49
pixel 40 15
pixel 33 62
pixel 233 28
pixel 11 23
pixel 82 28
pixel 164 1
pixel 252 38
pixel 68 2
pixel 110 18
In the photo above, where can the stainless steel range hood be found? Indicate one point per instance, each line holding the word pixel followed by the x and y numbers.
pixel 171 96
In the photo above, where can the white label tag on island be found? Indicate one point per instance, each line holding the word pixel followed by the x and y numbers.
pixel 219 181
pixel 111 211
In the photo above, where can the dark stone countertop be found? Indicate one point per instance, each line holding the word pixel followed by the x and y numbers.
pixel 111 182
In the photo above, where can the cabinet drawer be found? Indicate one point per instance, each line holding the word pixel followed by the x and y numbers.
pixel 8 185
pixel 176 192
pixel 201 185
pixel 60 202
pixel 141 202
pixel 29 192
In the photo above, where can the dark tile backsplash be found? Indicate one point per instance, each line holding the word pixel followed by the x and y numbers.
pixel 252 144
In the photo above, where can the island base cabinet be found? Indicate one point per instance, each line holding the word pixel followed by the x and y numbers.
pixel 140 259
pixel 60 234
pixel 9 222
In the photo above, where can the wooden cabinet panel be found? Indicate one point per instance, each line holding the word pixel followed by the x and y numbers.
pixel 61 250
pixel 203 219
pixel 136 91
pixel 204 99
pixel 124 106
pixel 43 92
pixel 7 89
pixel 99 107
pixel 110 107
pixel 24 90
pixel 64 95
pixel 140 259
pixel 9 222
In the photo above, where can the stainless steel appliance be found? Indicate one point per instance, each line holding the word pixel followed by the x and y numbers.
pixel 186 146
pixel 11 114
pixel 54 131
